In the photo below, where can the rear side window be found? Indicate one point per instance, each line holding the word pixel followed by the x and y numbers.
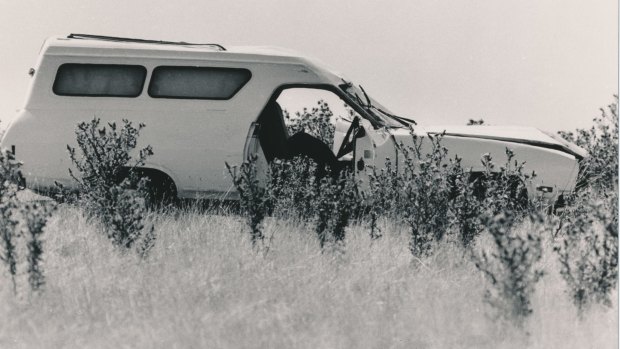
pixel 99 80
pixel 197 82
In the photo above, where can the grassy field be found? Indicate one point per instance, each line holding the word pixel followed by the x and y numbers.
pixel 321 278
pixel 203 286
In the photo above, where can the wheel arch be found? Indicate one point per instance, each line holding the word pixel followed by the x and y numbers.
pixel 160 173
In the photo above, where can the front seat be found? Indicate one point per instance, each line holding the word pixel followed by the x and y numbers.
pixel 273 134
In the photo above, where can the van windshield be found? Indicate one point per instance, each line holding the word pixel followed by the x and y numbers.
pixel 375 108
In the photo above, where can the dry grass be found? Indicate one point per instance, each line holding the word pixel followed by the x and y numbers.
pixel 204 287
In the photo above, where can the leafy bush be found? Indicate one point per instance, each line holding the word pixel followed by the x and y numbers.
pixel 433 194
pixel 335 203
pixel 587 247
pixel 36 216
pixel 292 191
pixel 317 122
pixel 586 238
pixel 106 179
pixel 425 193
pixel 19 221
pixel 465 205
pixel 473 122
pixel 254 199
pixel 478 197
pixel 511 266
pixel 293 188
pixel 382 197
pixel 600 168
pixel 506 188
pixel 9 179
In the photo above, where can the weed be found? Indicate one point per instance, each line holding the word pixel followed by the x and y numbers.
pixel 510 266
pixel 316 122
pixel 425 193
pixel 600 168
pixel 506 189
pixel 587 248
pixel 293 188
pixel 36 216
pixel 9 179
pixel 381 199
pixel 13 216
pixel 586 238
pixel 107 182
pixel 465 207
pixel 254 200
pixel 335 203
pixel 472 122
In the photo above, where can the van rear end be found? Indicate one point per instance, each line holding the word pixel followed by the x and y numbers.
pixel 33 133
pixel 30 142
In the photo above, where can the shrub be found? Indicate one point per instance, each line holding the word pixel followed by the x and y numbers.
pixel 465 207
pixel 589 254
pixel 505 189
pixel 335 203
pixel 425 193
pixel 316 122
pixel 510 266
pixel 15 215
pixel 586 238
pixel 600 168
pixel 254 199
pixel 36 216
pixel 587 248
pixel 106 179
pixel 432 193
pixel 9 179
pixel 382 197
pixel 472 122
pixel 293 188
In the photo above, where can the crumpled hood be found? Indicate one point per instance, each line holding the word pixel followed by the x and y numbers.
pixel 515 134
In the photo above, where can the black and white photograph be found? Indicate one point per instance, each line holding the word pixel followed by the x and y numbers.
pixel 309 174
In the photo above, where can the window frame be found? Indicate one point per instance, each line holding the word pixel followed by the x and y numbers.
pixel 337 91
pixel 141 67
pixel 182 67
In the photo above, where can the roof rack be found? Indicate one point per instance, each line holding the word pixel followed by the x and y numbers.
pixel 143 41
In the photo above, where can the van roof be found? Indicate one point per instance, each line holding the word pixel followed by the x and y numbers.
pixel 108 46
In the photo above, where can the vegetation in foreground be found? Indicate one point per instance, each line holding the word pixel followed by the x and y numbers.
pixel 203 285
pixel 449 260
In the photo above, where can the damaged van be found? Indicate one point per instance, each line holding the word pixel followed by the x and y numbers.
pixel 205 105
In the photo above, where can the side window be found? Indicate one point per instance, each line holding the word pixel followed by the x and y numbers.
pixel 197 82
pixel 314 111
pixel 99 80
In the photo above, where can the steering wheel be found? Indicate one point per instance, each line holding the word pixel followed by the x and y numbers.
pixel 348 143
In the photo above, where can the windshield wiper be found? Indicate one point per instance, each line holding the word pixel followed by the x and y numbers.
pixel 400 119
pixel 368 106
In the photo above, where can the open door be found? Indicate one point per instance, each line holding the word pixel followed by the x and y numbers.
pixel 253 150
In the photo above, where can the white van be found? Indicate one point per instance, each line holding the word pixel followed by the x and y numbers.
pixel 206 104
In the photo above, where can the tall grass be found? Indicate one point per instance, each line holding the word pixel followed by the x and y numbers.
pixel 205 286
pixel 448 260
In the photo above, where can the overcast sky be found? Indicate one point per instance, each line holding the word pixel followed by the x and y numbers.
pixel 548 64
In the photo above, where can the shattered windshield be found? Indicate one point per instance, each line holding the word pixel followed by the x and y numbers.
pixel 375 108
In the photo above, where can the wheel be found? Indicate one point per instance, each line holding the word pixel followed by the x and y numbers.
pixel 160 190
pixel 159 187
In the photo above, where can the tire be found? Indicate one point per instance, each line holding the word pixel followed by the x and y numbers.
pixel 160 188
